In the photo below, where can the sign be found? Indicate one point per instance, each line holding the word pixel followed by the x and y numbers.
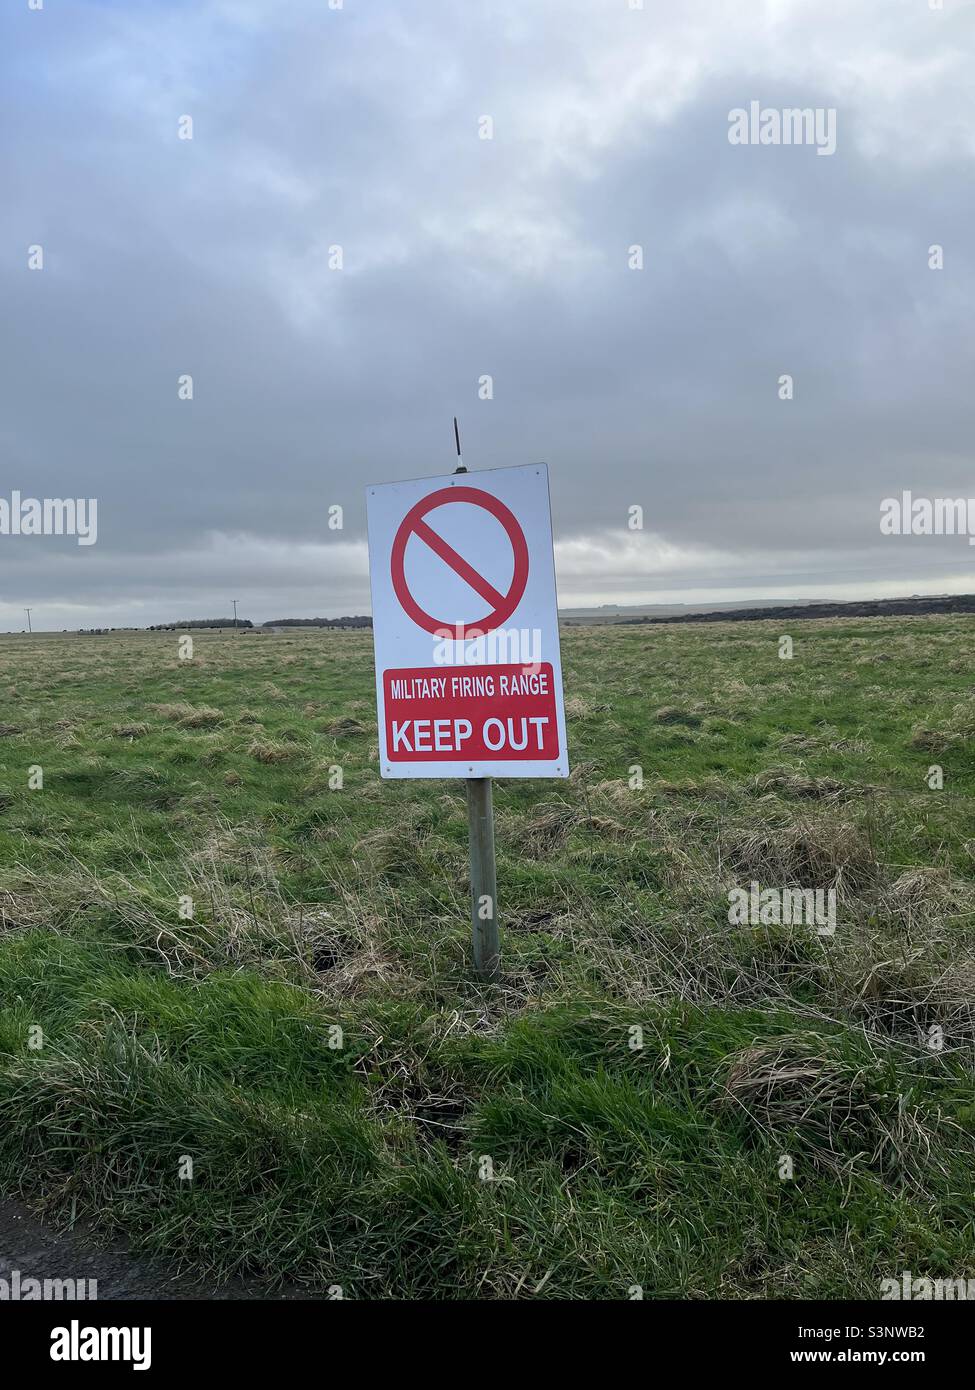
pixel 465 625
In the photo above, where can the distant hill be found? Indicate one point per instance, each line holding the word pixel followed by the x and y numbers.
pixel 629 612
pixel 860 608
pixel 612 611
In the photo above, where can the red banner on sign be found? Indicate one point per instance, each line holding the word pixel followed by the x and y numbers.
pixel 449 713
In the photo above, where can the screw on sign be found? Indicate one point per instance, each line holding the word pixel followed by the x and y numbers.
pixel 465 626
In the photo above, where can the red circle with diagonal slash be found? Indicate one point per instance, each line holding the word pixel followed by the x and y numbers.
pixel 413 524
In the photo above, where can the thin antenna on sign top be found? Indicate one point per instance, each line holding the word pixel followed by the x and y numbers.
pixel 460 462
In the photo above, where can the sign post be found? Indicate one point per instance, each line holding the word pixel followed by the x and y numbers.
pixel 465 627
pixel 484 885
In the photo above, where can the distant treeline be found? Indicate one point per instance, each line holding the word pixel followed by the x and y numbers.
pixel 320 622
pixel 200 622
pixel 357 621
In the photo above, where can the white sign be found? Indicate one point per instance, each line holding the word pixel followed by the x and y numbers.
pixel 465 625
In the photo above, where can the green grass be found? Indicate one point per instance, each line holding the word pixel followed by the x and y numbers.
pixel 358 1109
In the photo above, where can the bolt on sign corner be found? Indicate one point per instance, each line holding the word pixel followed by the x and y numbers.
pixel 465 626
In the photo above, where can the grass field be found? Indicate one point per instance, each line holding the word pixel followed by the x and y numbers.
pixel 358 1110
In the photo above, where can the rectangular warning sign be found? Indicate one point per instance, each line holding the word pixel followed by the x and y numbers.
pixel 465 626
pixel 496 711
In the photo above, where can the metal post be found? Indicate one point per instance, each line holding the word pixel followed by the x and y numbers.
pixel 484 889
pixel 480 826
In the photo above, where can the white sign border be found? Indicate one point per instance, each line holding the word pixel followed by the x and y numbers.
pixel 499 767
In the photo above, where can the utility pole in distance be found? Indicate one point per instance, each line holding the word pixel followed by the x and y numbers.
pixel 234 602
pixel 29 628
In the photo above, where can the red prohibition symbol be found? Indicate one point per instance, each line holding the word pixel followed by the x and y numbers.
pixel 413 524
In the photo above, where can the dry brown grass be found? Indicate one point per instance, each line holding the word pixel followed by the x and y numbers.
pixel 190 716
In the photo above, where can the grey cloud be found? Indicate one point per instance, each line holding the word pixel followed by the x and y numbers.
pixel 463 257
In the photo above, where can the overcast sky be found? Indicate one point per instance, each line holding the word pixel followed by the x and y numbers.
pixel 462 257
